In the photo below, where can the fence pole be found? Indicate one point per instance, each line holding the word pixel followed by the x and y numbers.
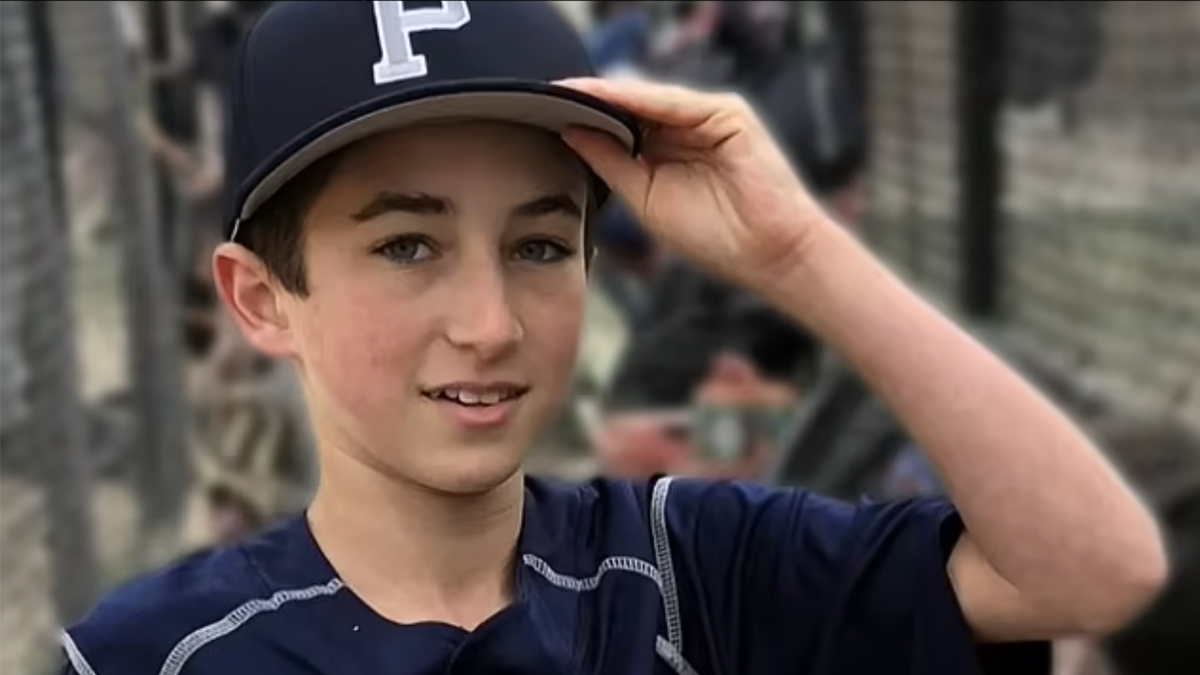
pixel 154 323
pixel 980 47
pixel 56 430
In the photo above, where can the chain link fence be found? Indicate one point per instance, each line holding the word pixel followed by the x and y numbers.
pixel 1103 183
pixel 46 552
pixel 1036 165
pixel 92 464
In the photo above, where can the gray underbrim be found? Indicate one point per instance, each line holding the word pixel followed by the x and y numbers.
pixel 535 109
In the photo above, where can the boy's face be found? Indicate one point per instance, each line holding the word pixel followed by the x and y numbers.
pixel 446 277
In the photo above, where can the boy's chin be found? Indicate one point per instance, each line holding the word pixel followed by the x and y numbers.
pixel 472 478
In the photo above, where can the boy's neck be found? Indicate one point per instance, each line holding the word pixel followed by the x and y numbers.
pixel 414 554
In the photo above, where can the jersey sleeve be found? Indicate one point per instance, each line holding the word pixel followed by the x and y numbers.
pixel 782 580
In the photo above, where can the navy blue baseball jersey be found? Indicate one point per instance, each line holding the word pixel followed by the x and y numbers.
pixel 671 576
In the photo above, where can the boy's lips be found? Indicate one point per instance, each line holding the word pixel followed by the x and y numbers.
pixel 476 394
pixel 477 405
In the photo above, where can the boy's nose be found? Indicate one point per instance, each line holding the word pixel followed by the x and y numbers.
pixel 484 321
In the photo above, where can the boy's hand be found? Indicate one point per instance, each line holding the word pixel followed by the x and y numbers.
pixel 711 181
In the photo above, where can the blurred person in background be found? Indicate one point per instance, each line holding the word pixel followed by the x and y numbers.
pixel 809 84
pixel 758 36
pixel 250 469
pixel 678 361
pixel 628 263
pixel 800 63
pixel 232 516
pixel 794 60
pixel 618 37
pixel 215 43
pixel 646 440
pixel 197 168
pixel 685 50
pixel 910 475
pixel 222 516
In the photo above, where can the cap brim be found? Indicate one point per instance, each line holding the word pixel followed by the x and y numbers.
pixel 551 107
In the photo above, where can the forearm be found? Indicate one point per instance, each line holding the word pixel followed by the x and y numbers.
pixel 1047 511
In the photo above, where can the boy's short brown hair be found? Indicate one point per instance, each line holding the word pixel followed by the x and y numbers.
pixel 276 232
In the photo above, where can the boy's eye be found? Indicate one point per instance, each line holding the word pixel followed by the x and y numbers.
pixel 542 251
pixel 406 250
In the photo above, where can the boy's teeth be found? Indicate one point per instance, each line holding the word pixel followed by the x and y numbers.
pixel 474 398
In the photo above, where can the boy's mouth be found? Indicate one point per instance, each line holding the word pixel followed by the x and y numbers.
pixel 476 394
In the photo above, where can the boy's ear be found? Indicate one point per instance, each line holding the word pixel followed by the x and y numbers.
pixel 253 298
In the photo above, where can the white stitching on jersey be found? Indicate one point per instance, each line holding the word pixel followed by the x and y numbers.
pixel 235 619
pixel 669 649
pixel 664 648
pixel 78 663
pixel 671 655
pixel 579 585
pixel 662 556
pixel 194 641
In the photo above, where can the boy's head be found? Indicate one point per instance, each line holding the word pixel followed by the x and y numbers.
pixel 410 234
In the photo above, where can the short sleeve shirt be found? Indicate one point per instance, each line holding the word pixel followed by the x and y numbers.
pixel 669 576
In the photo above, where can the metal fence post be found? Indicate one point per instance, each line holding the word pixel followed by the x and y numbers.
pixel 980 85
pixel 33 222
pixel 155 349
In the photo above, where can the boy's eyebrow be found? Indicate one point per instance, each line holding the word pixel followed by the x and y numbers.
pixel 560 202
pixel 388 201
pixel 428 205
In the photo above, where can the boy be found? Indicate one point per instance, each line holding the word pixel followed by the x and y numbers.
pixel 421 260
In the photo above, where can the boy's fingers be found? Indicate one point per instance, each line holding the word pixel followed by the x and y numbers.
pixel 662 104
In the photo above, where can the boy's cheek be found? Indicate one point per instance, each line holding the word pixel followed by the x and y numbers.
pixel 360 365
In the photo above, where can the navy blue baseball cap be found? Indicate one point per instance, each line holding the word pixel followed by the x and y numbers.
pixel 313 77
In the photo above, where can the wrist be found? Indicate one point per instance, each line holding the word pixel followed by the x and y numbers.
pixel 813 270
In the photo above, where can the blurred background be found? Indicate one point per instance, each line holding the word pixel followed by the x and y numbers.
pixel 1032 167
